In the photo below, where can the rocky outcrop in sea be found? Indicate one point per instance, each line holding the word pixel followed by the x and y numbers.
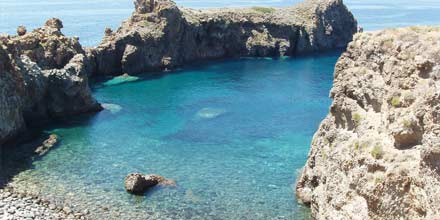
pixel 43 75
pixel 376 155
pixel 161 36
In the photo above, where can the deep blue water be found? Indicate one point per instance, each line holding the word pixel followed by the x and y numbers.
pixel 233 134
pixel 88 18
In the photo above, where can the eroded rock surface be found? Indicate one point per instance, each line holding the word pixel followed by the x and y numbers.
pixel 160 35
pixel 137 183
pixel 43 75
pixel 377 153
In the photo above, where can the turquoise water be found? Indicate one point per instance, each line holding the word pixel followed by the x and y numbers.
pixel 232 134
pixel 88 18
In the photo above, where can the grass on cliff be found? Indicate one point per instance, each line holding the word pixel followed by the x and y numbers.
pixel 377 152
pixel 264 10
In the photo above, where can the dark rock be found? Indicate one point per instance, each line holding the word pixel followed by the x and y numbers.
pixel 21 30
pixel 108 32
pixel 137 183
pixel 54 23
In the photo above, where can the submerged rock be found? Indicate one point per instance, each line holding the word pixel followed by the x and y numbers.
pixel 47 144
pixel 377 153
pixel 138 184
pixel 113 108
pixel 159 35
pixel 121 79
pixel 210 113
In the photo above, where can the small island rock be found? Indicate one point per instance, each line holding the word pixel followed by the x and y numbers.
pixel 136 183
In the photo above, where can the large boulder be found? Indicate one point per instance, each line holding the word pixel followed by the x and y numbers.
pixel 137 183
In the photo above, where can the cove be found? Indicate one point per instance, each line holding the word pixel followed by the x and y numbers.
pixel 231 133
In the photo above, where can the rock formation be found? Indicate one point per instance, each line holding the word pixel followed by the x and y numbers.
pixel 377 154
pixel 160 35
pixel 43 75
pixel 138 184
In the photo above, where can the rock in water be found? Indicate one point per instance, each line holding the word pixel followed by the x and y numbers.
pixel 377 153
pixel 210 113
pixel 47 144
pixel 159 35
pixel 138 184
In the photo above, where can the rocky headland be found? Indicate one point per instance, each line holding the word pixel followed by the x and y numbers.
pixel 377 154
pixel 161 35
pixel 43 75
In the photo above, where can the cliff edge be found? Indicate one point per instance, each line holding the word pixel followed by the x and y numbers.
pixel 43 75
pixel 160 35
pixel 377 154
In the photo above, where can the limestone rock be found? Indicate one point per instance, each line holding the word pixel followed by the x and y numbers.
pixel 377 154
pixel 43 75
pixel 159 35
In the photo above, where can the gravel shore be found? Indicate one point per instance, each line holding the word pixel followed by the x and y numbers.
pixel 25 207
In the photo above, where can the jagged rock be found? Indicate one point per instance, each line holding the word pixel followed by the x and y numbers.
pixel 54 23
pixel 21 30
pixel 137 183
pixel 108 32
pixel 43 75
pixel 377 154
pixel 164 35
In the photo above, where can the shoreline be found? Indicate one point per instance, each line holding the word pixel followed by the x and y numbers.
pixel 17 205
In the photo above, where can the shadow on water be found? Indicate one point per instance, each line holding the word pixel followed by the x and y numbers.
pixel 19 155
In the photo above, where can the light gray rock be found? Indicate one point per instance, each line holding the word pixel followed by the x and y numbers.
pixel 377 154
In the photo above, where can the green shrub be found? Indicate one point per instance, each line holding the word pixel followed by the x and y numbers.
pixel 356 145
pixel 264 10
pixel 395 101
pixel 377 152
pixel 406 123
pixel 357 118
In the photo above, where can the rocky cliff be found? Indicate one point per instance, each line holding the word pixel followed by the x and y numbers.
pixel 43 75
pixel 160 35
pixel 377 154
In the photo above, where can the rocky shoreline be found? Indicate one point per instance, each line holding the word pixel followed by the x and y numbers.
pixel 377 154
pixel 14 206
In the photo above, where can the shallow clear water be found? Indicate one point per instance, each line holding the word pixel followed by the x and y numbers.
pixel 232 134
pixel 88 18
